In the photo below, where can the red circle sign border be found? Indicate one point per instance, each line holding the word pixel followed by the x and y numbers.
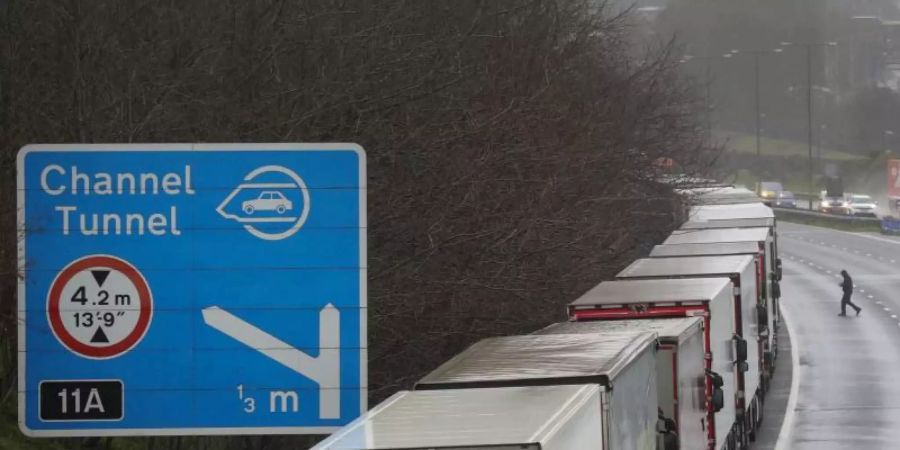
pixel 69 341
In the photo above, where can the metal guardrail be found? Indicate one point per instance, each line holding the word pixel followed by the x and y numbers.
pixel 849 223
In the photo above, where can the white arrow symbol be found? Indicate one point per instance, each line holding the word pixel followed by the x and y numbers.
pixel 325 369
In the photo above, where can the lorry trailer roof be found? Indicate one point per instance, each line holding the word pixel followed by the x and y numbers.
pixel 728 223
pixel 756 234
pixel 654 291
pixel 705 249
pixel 688 266
pixel 736 211
pixel 669 330
pixel 541 359
pixel 501 418
pixel 712 196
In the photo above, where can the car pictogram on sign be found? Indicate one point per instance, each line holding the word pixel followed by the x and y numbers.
pixel 268 201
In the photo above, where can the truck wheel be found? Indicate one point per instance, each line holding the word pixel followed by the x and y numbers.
pixel 751 433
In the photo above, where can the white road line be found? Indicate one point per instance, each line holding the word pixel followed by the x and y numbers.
pixel 893 316
pixel 787 425
pixel 866 236
pixel 869 296
pixel 862 290
pixel 879 303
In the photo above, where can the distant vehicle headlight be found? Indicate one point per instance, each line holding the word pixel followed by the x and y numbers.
pixel 845 204
pixel 826 203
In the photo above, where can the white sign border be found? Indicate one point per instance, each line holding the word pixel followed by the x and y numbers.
pixel 184 147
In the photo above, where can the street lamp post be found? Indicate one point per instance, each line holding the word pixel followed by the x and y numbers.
pixel 708 96
pixel 756 116
pixel 757 113
pixel 809 110
pixel 809 118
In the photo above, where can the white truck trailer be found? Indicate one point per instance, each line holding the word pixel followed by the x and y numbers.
pixel 738 216
pixel 562 417
pixel 768 272
pixel 709 298
pixel 768 339
pixel 623 365
pixel 718 196
pixel 680 371
pixel 744 215
pixel 742 273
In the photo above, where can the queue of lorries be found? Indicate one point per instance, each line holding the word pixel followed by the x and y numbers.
pixel 675 353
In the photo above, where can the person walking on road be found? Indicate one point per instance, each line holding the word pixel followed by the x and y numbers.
pixel 847 285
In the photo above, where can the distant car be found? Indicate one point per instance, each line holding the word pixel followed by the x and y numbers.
pixel 268 201
pixel 769 191
pixel 861 205
pixel 786 199
pixel 831 204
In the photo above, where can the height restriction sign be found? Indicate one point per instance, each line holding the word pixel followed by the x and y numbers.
pixel 99 306
pixel 191 289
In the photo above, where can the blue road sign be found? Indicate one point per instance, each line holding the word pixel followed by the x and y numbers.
pixel 191 288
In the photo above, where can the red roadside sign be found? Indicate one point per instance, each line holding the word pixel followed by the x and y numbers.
pixel 99 306
pixel 893 178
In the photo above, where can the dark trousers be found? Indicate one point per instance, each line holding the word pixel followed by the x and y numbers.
pixel 845 300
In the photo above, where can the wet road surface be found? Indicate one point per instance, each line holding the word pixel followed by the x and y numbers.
pixel 848 394
pixel 777 397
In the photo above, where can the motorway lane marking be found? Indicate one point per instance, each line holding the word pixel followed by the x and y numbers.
pixel 866 236
pixel 787 424
pixel 869 296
